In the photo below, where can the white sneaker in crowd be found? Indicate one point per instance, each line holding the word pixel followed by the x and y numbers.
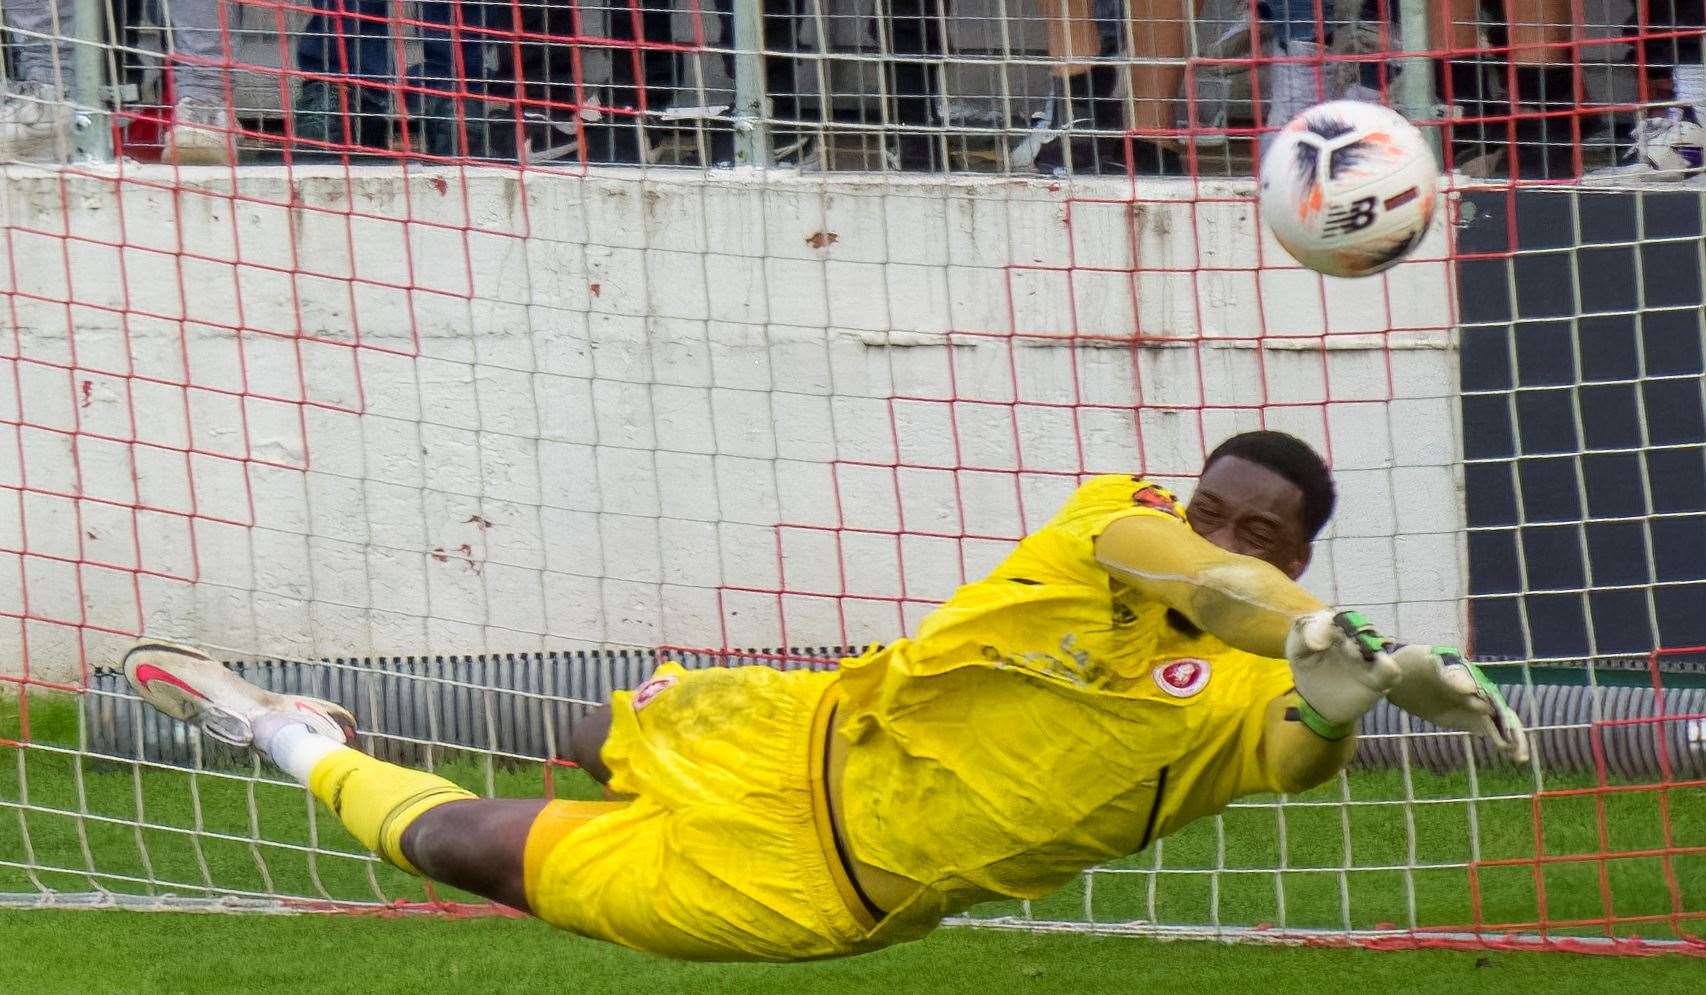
pixel 1669 146
pixel 200 135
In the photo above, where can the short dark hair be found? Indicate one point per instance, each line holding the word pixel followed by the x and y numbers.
pixel 1293 459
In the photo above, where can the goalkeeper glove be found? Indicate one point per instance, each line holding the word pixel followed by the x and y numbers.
pixel 1341 668
pixel 1438 685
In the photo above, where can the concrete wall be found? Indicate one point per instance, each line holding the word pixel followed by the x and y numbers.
pixel 342 413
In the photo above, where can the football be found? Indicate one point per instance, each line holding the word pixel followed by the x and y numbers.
pixel 1348 188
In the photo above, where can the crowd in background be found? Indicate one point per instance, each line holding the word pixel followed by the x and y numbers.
pixel 508 81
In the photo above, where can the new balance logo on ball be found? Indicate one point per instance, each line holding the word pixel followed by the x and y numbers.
pixel 1352 217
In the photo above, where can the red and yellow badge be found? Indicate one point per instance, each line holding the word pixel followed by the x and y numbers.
pixel 1159 498
pixel 651 689
pixel 1182 678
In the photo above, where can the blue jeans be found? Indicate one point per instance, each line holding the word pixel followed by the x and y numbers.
pixel 1294 20
pixel 352 38
pixel 438 69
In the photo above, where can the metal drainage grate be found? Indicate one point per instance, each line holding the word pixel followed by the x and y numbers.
pixel 523 706
pixel 520 706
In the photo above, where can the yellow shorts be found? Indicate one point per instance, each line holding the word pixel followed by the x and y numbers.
pixel 725 851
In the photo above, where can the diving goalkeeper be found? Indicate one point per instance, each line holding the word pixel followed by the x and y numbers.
pixel 1130 667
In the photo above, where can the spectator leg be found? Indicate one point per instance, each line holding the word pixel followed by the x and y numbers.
pixel 197 35
pixel 1083 129
pixel 1159 33
pixel 1669 141
pixel 375 41
pixel 641 78
pixel 1676 58
pixel 1688 73
pixel 335 112
pixel 35 117
pixel 453 118
pixel 662 68
pixel 441 111
pixel 542 75
pixel 1159 45
pixel 1540 32
pixel 203 119
pixel 783 73
pixel 668 82
pixel 1075 37
pixel 1292 86
pixel 40 31
pixel 1083 102
pixel 915 66
pixel 1468 83
pixel 1454 24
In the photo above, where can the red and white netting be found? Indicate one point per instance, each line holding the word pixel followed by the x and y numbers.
pixel 620 370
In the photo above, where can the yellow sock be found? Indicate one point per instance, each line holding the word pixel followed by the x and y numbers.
pixel 377 800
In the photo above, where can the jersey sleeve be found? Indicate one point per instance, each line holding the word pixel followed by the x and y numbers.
pixel 1103 500
pixel 1064 550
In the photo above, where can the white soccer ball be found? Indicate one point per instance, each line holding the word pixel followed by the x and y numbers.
pixel 1349 187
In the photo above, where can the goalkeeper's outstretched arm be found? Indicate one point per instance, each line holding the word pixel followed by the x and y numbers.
pixel 1253 605
pixel 1339 662
pixel 1245 602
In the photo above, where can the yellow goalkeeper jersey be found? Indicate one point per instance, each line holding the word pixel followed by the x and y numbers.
pixel 1045 719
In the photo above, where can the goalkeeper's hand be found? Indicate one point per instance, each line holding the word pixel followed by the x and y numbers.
pixel 1341 668
pixel 1437 684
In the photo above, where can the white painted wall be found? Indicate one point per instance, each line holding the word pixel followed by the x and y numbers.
pixel 345 413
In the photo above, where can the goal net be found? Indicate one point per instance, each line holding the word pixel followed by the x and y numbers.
pixel 463 361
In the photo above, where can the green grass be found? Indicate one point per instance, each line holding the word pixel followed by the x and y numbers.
pixel 142 830
pixel 168 952
pixel 1404 865
pixel 82 824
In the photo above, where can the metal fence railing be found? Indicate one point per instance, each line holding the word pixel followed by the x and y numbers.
pixel 1635 718
pixel 1005 86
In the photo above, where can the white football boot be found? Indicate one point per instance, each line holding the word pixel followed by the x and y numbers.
pixel 192 687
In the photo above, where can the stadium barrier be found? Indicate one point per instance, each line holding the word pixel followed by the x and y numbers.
pixel 835 86
pixel 523 707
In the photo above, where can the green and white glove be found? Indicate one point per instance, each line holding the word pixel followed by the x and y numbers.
pixel 1341 668
pixel 1437 684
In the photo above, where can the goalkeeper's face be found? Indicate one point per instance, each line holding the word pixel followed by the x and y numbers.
pixel 1246 508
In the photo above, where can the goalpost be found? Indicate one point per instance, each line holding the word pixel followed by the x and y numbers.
pixel 467 445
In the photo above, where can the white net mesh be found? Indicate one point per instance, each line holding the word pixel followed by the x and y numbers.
pixel 467 438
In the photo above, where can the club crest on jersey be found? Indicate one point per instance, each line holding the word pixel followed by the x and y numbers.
pixel 1158 498
pixel 651 689
pixel 1182 678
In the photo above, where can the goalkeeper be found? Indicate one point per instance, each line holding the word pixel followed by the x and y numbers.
pixel 1130 667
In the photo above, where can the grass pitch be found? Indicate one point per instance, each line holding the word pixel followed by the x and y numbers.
pixel 169 952
pixel 1378 850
